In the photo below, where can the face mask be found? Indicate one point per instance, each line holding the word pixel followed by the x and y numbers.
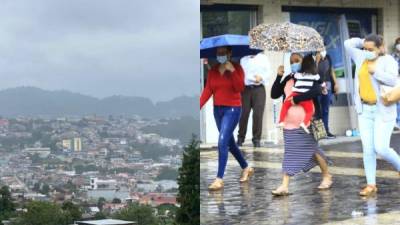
pixel 370 55
pixel 222 59
pixel 314 57
pixel 323 54
pixel 295 67
pixel 398 47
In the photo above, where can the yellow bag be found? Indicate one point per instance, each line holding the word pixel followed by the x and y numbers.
pixel 390 95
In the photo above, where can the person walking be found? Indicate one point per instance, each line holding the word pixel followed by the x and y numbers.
pixel 376 121
pixel 304 81
pixel 302 152
pixel 396 56
pixel 328 76
pixel 225 82
pixel 256 69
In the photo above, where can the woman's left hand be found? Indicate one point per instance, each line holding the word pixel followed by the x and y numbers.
pixel 371 68
pixel 291 100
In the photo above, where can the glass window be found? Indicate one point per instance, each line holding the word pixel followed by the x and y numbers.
pixel 226 22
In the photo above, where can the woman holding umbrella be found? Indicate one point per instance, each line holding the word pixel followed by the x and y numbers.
pixel 301 149
pixel 225 82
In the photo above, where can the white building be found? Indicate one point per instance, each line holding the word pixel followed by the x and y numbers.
pixel 108 189
pixel 77 144
pixel 42 152
pixel 74 144
pixel 96 183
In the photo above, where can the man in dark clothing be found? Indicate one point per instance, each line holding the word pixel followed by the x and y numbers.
pixel 324 101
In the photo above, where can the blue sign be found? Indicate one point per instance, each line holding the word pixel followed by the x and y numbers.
pixel 327 25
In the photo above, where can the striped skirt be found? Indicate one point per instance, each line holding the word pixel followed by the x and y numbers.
pixel 300 148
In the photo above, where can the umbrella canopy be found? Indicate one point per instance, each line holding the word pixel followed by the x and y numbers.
pixel 286 37
pixel 239 43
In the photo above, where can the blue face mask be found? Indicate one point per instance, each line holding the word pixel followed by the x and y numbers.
pixel 295 67
pixel 370 55
pixel 222 58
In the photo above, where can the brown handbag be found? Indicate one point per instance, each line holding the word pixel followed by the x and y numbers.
pixel 390 95
pixel 318 129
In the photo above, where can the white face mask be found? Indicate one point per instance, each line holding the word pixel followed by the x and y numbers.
pixel 398 47
pixel 222 58
pixel 370 55
pixel 323 54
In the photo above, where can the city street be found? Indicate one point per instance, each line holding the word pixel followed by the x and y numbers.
pixel 253 204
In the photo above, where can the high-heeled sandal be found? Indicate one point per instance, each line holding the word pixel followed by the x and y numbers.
pixel 280 192
pixel 325 184
pixel 217 185
pixel 246 174
pixel 368 190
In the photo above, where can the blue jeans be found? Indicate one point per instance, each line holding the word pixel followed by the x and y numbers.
pixel 398 114
pixel 227 118
pixel 325 101
pixel 375 137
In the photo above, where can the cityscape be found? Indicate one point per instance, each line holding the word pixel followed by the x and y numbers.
pixel 100 164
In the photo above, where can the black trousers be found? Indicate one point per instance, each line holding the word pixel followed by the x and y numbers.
pixel 253 97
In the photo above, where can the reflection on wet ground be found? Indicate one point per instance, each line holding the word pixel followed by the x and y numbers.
pixel 252 203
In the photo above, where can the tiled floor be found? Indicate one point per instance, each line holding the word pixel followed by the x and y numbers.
pixel 252 203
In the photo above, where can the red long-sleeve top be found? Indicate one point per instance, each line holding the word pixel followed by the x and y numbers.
pixel 225 89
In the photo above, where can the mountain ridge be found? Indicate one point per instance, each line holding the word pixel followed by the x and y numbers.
pixel 33 101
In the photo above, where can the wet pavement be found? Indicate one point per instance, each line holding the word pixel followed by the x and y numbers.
pixel 253 203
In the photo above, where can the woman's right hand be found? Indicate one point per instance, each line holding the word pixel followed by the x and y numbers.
pixel 229 66
pixel 281 70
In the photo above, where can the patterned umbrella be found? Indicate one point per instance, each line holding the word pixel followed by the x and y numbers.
pixel 285 37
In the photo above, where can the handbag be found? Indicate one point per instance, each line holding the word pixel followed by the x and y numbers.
pixel 390 95
pixel 318 129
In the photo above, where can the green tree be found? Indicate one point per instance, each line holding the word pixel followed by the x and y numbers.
pixel 79 169
pixel 100 216
pixel 7 206
pixel 73 211
pixel 36 187
pixel 189 185
pixel 166 213
pixel 116 201
pixel 44 213
pixel 167 174
pixel 45 189
pixel 100 203
pixel 142 214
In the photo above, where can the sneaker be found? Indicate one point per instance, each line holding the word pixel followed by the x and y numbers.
pixel 330 136
pixel 239 143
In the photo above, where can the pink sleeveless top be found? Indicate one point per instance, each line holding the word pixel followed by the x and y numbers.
pixel 296 113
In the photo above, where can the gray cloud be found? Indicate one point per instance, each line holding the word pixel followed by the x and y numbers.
pixel 101 47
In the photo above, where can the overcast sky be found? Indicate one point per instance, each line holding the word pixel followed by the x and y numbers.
pixel 101 47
